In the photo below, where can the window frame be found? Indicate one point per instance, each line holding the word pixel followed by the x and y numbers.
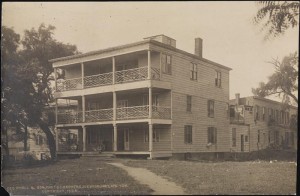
pixel 218 79
pixel 188 134
pixel 263 113
pixel 189 103
pixel 166 63
pixel 212 135
pixel 233 137
pixel 211 110
pixel 155 135
pixel 194 71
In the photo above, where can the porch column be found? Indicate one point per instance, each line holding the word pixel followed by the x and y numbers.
pixel 56 111
pixel 160 66
pixel 150 139
pixel 115 137
pixel 83 138
pixel 56 139
pixel 150 102
pixel 114 106
pixel 55 78
pixel 114 69
pixel 149 65
pixel 83 108
pixel 82 75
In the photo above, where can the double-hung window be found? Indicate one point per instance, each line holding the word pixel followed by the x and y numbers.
pixel 166 63
pixel 212 135
pixel 188 103
pixel 188 134
pixel 218 80
pixel 233 137
pixel 211 108
pixel 193 71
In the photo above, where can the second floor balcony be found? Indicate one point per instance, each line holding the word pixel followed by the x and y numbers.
pixel 122 113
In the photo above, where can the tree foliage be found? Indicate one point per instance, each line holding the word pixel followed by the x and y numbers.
pixel 284 82
pixel 277 16
pixel 27 75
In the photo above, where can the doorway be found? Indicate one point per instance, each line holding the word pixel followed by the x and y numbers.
pixel 123 139
pixel 126 139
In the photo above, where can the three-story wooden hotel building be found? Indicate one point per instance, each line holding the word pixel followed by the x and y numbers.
pixel 145 98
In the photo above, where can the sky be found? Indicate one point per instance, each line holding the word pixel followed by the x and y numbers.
pixel 229 36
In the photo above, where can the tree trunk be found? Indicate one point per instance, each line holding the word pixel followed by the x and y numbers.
pixel 5 143
pixel 25 137
pixel 50 138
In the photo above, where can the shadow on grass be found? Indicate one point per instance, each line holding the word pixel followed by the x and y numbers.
pixel 30 163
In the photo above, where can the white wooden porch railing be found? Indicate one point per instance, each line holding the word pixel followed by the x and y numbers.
pixel 69 117
pixel 160 112
pixel 130 75
pixel 99 115
pixel 98 80
pixel 69 84
pixel 123 113
pixel 133 112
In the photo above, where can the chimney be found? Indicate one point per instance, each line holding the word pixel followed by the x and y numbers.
pixel 198 47
pixel 237 99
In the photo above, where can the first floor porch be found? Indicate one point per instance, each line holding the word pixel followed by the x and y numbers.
pixel 153 140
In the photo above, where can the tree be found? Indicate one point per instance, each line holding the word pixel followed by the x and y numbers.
pixel 11 113
pixel 277 16
pixel 283 82
pixel 34 74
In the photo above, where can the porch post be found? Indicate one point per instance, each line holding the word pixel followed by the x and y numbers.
pixel 160 71
pixel 56 139
pixel 114 106
pixel 83 108
pixel 55 78
pixel 150 102
pixel 56 111
pixel 82 75
pixel 115 137
pixel 83 138
pixel 149 65
pixel 114 69
pixel 150 139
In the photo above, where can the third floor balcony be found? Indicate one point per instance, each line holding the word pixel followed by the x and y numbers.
pixel 138 66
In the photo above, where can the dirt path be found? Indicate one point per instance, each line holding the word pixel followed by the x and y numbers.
pixel 158 184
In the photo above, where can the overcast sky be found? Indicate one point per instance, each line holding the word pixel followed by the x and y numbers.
pixel 229 36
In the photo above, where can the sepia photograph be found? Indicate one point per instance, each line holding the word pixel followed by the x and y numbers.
pixel 149 98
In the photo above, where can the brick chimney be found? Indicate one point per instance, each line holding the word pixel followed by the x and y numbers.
pixel 198 47
pixel 237 99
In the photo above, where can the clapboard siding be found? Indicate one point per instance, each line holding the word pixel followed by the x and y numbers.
pixel 261 126
pixel 201 91
pixel 137 138
pixel 240 130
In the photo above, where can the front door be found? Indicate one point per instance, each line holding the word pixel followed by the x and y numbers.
pixel 126 139
pixel 242 143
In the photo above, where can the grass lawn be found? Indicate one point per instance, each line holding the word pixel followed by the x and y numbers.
pixel 73 176
pixel 225 177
